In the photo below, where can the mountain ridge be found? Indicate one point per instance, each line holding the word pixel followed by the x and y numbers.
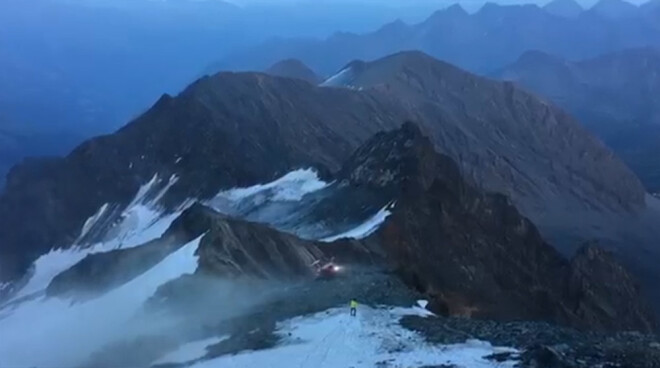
pixel 239 129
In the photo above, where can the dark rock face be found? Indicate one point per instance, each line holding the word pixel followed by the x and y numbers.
pixel 234 248
pixel 475 255
pixel 603 293
pixel 293 68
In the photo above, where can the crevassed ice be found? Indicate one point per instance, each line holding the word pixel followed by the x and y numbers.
pixel 61 334
pixel 366 228
pixel 290 187
pixel 334 339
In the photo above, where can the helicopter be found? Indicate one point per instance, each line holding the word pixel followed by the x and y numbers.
pixel 326 270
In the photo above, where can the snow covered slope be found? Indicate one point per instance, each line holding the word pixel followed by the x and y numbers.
pixel 63 334
pixel 374 338
pixel 139 222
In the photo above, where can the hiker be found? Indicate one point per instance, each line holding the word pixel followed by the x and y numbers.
pixel 353 307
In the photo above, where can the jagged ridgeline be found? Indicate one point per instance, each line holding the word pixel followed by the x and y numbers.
pixel 423 180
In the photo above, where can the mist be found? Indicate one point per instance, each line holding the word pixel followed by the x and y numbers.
pixel 76 331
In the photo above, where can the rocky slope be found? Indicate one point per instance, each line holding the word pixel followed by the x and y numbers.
pixel 293 68
pixel 615 96
pixel 473 254
pixel 504 150
pixel 239 129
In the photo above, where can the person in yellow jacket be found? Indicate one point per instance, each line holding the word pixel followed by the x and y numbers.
pixel 353 307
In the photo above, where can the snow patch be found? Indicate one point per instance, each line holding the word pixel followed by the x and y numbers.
pixel 334 339
pixel 61 334
pixel 290 187
pixel 423 303
pixel 341 79
pixel 366 228
pixel 190 351
pixel 92 221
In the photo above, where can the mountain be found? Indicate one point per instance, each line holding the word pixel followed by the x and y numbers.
pixel 651 5
pixel 614 95
pixel 493 36
pixel 245 128
pixel 564 8
pixel 614 9
pixel 292 68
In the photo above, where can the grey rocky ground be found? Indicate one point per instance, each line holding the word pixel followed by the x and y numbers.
pixel 545 345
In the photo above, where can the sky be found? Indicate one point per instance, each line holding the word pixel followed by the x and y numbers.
pixel 409 3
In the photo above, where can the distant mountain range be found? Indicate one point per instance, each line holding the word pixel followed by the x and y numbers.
pixel 494 36
pixel 616 96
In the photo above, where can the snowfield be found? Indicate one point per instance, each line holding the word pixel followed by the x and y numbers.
pixel 188 352
pixel 60 333
pixel 365 229
pixel 290 187
pixel 374 338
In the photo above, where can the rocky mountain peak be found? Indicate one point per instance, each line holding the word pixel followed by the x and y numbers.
pixel 614 9
pixel 293 68
pixel 452 12
pixel 397 159
pixel 564 8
